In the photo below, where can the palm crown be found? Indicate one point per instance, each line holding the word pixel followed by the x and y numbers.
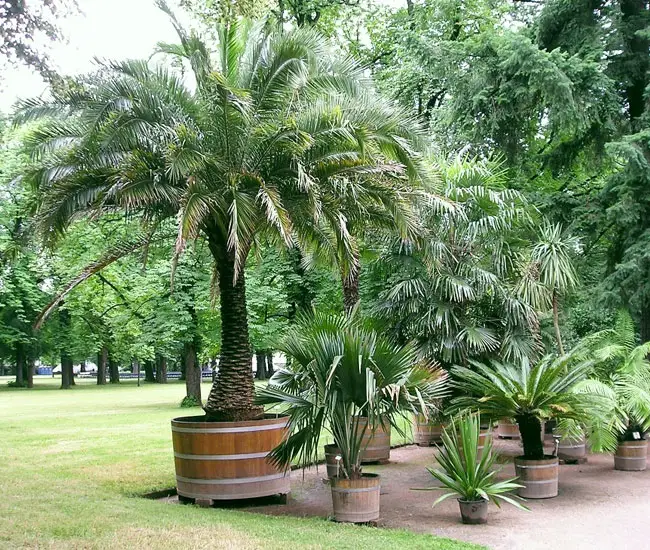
pixel 274 132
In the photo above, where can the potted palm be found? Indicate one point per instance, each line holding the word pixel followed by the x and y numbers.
pixel 346 379
pixel 470 477
pixel 530 394
pixel 621 373
pixel 259 143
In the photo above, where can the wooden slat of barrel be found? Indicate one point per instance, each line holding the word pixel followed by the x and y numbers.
pixel 375 447
pixel 356 501
pixel 539 477
pixel 228 460
pixel 631 456
pixel 426 433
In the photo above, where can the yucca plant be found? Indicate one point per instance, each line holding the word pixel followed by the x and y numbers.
pixel 341 371
pixel 530 394
pixel 272 136
pixel 465 474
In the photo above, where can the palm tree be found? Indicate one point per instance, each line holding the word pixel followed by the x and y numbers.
pixel 260 144
pixel 551 261
pixel 456 293
pixel 341 371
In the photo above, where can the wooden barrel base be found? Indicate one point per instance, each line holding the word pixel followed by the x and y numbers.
pixel 572 461
pixel 375 446
pixel 221 461
pixel 356 500
pixel 631 456
pixel 538 477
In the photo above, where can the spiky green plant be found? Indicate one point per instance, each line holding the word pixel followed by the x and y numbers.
pixel 341 371
pixel 530 394
pixel 466 475
pixel 274 134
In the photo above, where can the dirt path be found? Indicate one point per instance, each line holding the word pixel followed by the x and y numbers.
pixel 597 507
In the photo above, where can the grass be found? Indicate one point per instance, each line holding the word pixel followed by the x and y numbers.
pixel 74 463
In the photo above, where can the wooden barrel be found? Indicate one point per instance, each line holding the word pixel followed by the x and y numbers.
pixel 356 500
pixel 631 456
pixel 375 446
pixel 508 429
pixel 331 452
pixel 538 477
pixel 228 460
pixel 426 433
pixel 572 449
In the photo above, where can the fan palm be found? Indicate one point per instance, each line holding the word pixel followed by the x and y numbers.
pixel 272 131
pixel 341 371
pixel 456 294
pixel 529 393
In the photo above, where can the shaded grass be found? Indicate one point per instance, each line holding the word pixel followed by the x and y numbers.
pixel 73 462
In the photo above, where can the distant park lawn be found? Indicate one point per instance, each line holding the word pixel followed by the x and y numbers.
pixel 74 462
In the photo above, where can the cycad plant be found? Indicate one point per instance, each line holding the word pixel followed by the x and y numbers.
pixel 529 393
pixel 264 141
pixel 341 371
pixel 464 473
pixel 621 375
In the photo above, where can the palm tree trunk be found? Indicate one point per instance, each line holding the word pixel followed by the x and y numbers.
pixel 556 322
pixel 192 371
pixel 102 359
pixel 20 365
pixel 233 391
pixel 530 429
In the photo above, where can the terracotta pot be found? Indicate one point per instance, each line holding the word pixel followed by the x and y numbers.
pixel 228 460
pixel 473 512
pixel 538 477
pixel 356 500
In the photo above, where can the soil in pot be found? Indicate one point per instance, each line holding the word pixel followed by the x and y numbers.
pixel 228 460
pixel 473 512
pixel 538 477
pixel 356 500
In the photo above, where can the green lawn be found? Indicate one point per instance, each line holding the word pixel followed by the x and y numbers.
pixel 72 464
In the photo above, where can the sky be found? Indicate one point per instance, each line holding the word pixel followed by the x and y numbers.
pixel 113 29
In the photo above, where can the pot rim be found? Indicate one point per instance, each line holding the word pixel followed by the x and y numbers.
pixel 546 457
pixel 201 419
pixel 364 474
pixel 481 500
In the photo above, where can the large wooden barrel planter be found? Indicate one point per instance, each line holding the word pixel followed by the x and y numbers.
pixel 508 429
pixel 356 500
pixel 538 477
pixel 572 450
pixel 228 460
pixel 426 432
pixel 375 446
pixel 631 456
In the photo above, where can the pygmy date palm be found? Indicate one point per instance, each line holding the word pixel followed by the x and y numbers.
pixel 259 142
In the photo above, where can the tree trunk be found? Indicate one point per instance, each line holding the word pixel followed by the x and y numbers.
pixel 232 394
pixel 66 360
pixel 350 282
pixel 556 322
pixel 148 372
pixel 192 372
pixel 269 364
pixel 113 370
pixel 530 429
pixel 20 365
pixel 260 362
pixel 182 366
pixel 30 372
pixel 82 366
pixel 161 369
pixel 102 360
pixel 135 367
